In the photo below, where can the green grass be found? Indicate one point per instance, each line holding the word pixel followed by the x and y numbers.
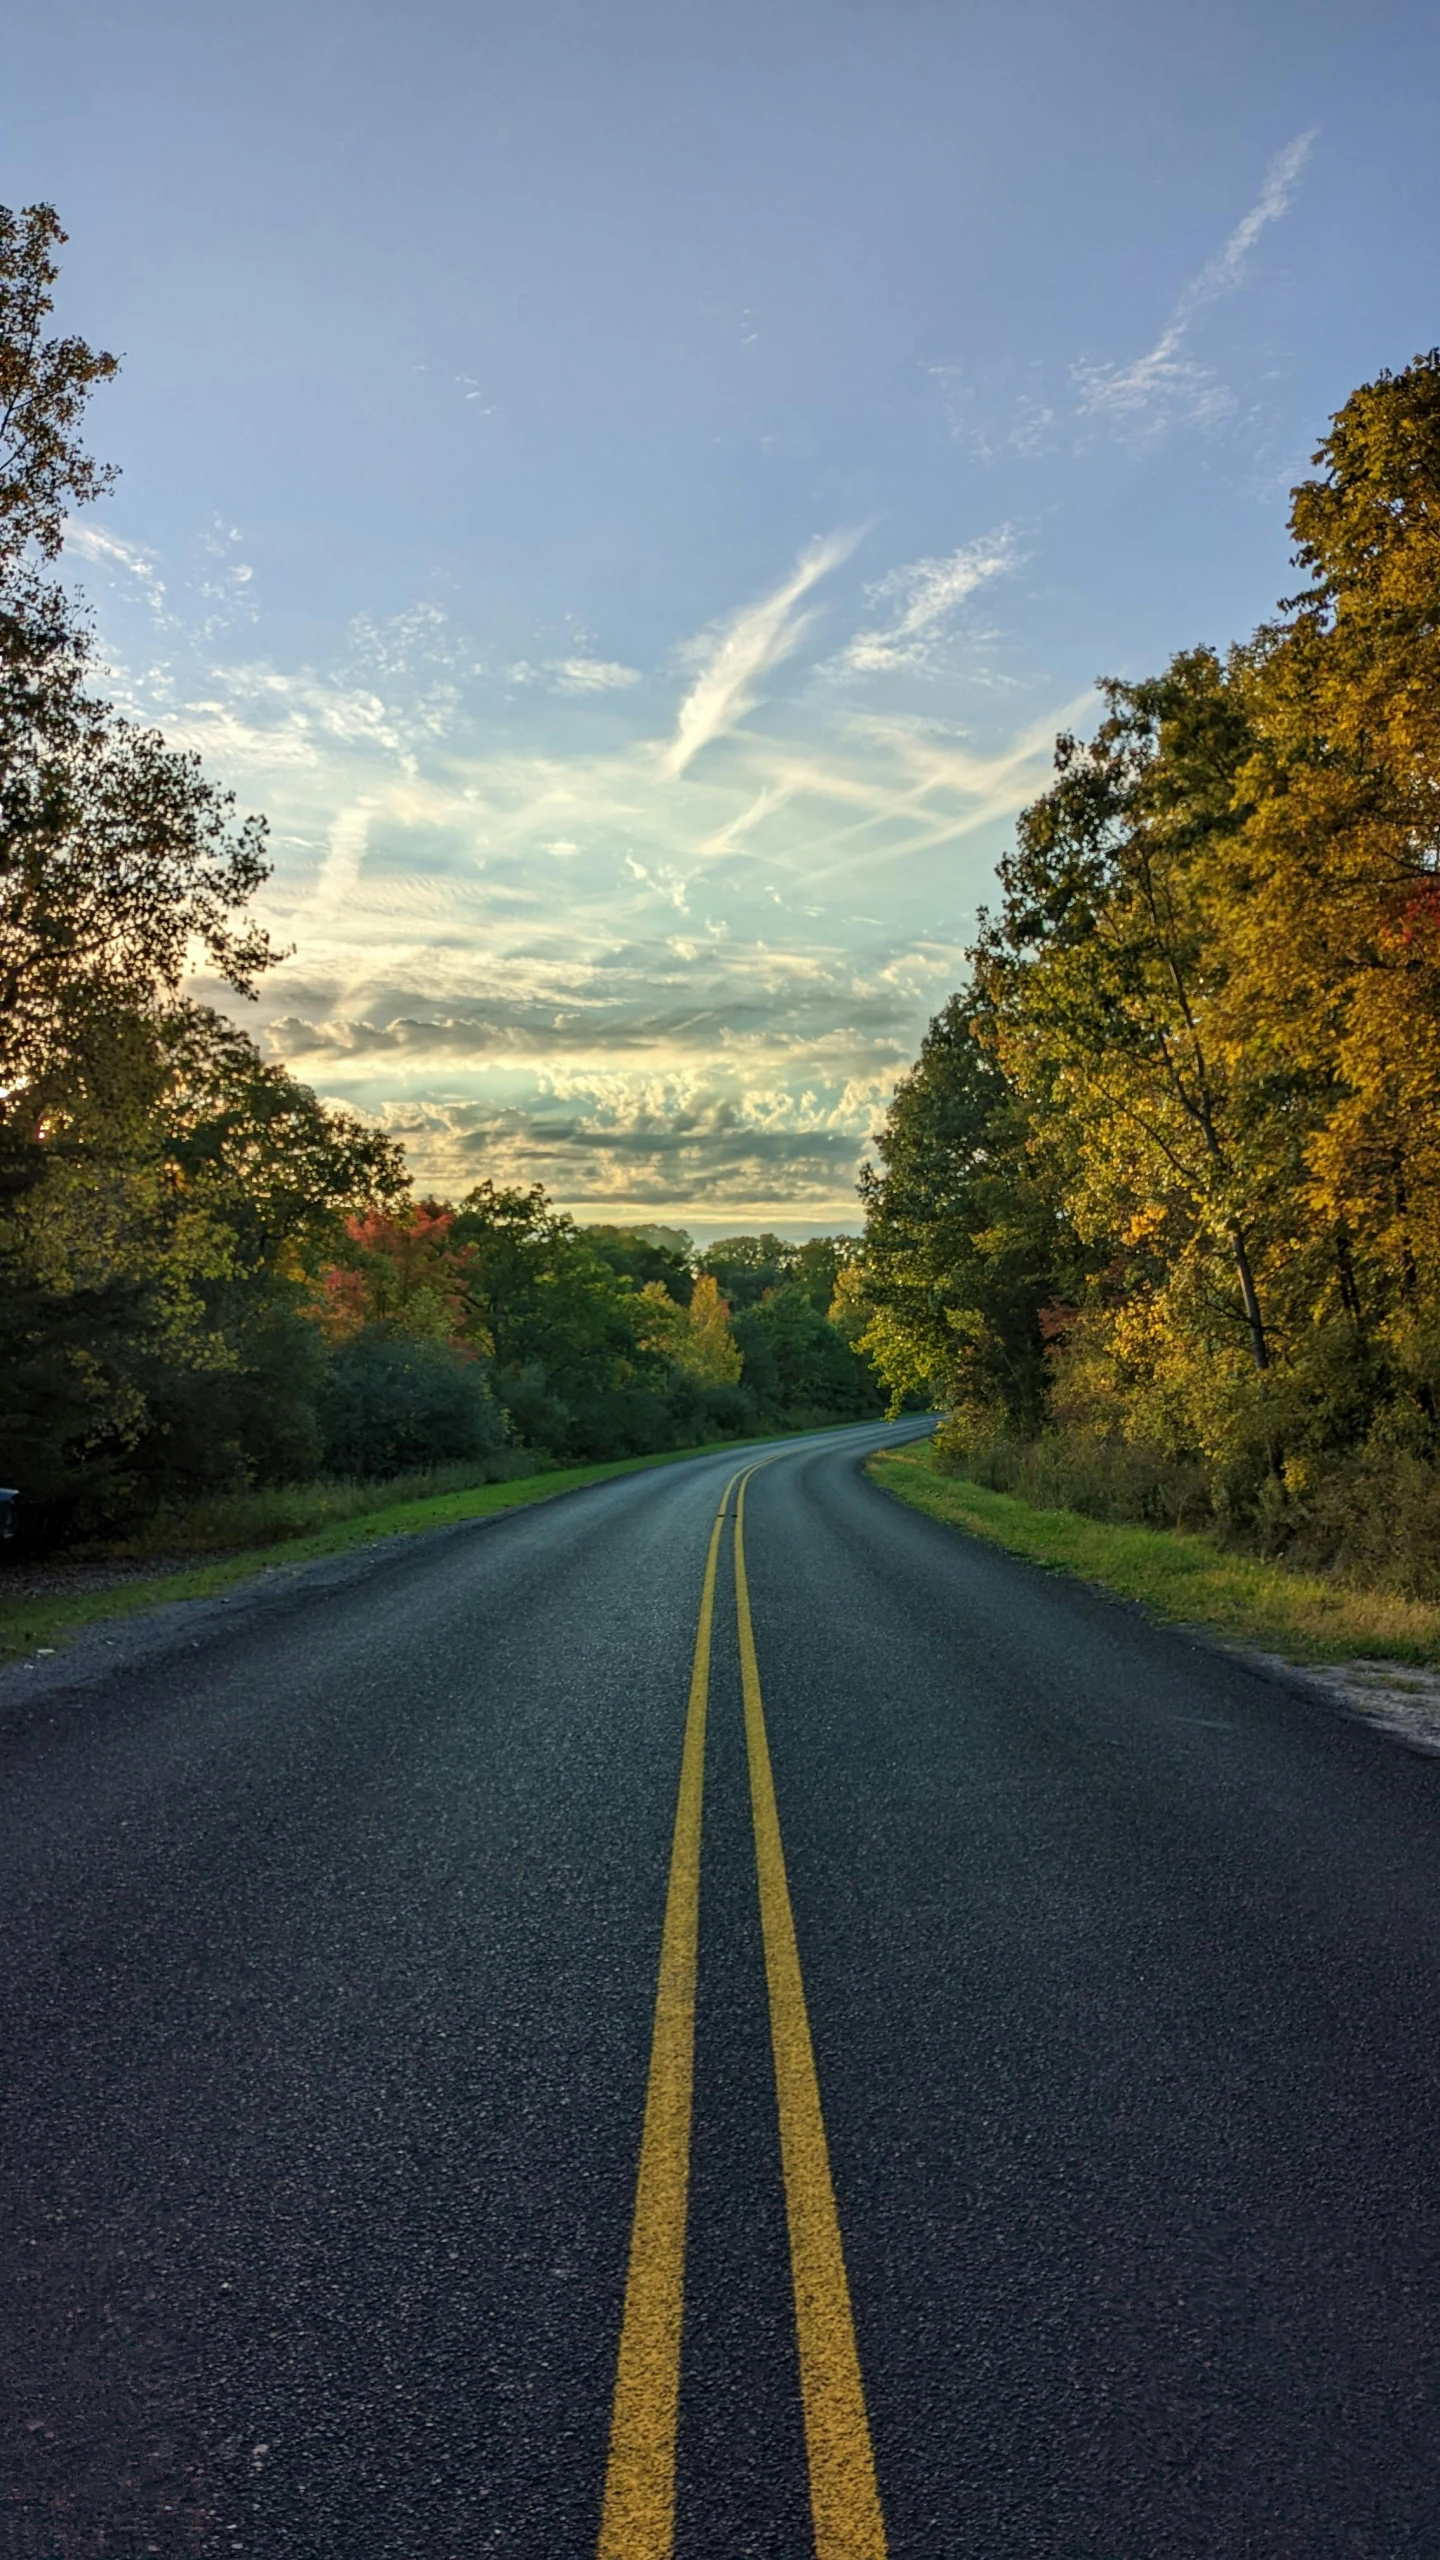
pixel 53 1618
pixel 1189 1579
pixel 226 1523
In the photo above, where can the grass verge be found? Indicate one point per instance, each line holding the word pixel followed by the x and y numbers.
pixel 50 1619
pixel 1183 1578
pixel 222 1524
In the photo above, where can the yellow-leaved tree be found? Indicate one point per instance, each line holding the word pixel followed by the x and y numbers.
pixel 698 1337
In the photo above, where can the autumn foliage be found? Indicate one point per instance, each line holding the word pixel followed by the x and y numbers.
pixel 404 1272
pixel 1191 1094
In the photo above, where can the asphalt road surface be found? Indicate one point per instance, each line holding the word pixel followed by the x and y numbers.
pixel 1043 2125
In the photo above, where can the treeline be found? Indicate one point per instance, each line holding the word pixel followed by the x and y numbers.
pixel 1157 1214
pixel 443 1332
pixel 208 1281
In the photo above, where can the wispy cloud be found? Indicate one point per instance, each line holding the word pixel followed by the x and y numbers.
pixel 575 675
pixel 229 588
pixel 1032 428
pixel 415 643
pixel 733 658
pixel 1141 398
pixel 923 598
pixel 340 871
pixel 128 559
pixel 766 802
pixel 1028 429
pixel 593 675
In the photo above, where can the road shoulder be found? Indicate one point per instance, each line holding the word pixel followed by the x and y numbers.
pixel 1377 1654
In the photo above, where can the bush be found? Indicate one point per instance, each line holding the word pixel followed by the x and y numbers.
pixel 1105 1478
pixel 266 1515
pixel 390 1403
pixel 726 1413
pixel 1370 1516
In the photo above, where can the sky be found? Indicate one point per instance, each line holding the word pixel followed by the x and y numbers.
pixel 633 490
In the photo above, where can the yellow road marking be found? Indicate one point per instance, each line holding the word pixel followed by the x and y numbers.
pixel 638 2520
pixel 844 2496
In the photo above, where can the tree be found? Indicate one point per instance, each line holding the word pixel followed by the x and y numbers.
pixel 405 1276
pixel 156 1341
pixel 288 1173
pixel 642 1255
pixel 1211 996
pixel 1335 931
pixel 711 1353
pixel 744 1267
pixel 797 1366
pixel 816 1267
pixel 1100 974
pixel 44 386
pixel 166 1194
pixel 116 855
pixel 965 1246
pixel 571 1364
pixel 696 1336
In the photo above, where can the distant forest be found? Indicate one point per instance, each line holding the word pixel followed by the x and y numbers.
pixel 208 1281
pixel 1156 1217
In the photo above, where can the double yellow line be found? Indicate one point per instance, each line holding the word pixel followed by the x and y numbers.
pixel 638 2521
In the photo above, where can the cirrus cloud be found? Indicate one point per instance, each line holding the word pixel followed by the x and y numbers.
pixel 1140 399
pixel 733 657
pixel 923 599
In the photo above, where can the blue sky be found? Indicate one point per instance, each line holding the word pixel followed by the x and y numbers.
pixel 632 490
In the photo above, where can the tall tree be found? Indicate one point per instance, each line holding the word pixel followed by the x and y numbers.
pixel 117 856
pixel 1335 905
pixel 965 1248
pixel 1101 971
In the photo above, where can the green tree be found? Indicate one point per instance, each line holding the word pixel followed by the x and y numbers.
pixel 966 1247
pixel 817 1264
pixel 156 1340
pixel 164 1191
pixel 744 1267
pixel 117 856
pixel 643 1256
pixel 796 1364
pixel 572 1367
pixel 1101 970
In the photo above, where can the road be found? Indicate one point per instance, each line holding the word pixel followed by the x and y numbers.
pixel 1104 2226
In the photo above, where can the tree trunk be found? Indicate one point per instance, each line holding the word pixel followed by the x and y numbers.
pixel 1259 1348
pixel 1349 1286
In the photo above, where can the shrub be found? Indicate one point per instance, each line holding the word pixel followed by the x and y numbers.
pixel 390 1403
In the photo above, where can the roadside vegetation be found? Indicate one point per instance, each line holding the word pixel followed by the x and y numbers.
pixel 1155 1219
pixel 1185 1577
pixel 222 1305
